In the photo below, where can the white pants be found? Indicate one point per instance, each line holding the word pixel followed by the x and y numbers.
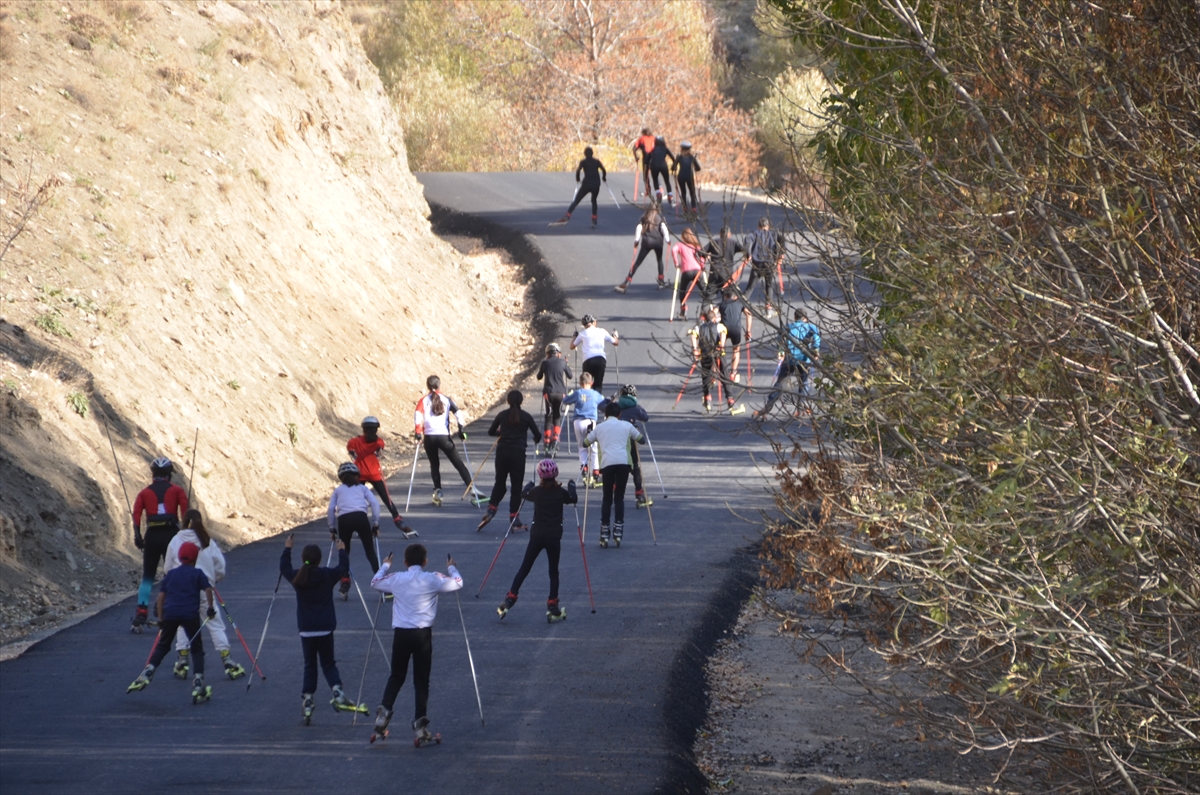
pixel 215 627
pixel 588 456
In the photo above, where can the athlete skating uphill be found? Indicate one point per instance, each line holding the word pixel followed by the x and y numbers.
pixel 512 425
pixel 163 505
pixel 348 514
pixel 686 167
pixel 431 425
pixel 708 350
pixel 615 438
pixel 365 450
pixel 316 621
pixel 554 373
pixel 633 413
pixel 586 402
pixel 590 341
pixel 548 499
pixel 414 609
pixel 178 606
pixel 651 234
pixel 593 174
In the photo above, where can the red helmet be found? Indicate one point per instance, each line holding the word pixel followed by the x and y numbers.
pixel 547 469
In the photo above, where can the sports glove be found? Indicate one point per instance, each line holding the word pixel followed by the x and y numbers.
pixel 138 541
pixel 332 534
pixel 212 612
pixel 571 488
pixel 528 486
pixel 462 434
pixel 418 435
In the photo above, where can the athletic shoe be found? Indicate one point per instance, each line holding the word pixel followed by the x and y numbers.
pixel 622 287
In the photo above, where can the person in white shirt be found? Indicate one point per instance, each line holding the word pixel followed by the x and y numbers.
pixel 614 437
pixel 591 342
pixel 431 425
pixel 414 609
pixel 347 515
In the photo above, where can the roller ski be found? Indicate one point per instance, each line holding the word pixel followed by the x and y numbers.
pixel 143 679
pixel 643 501
pixel 307 706
pixel 423 736
pixel 340 703
pixel 232 670
pixel 478 499
pixel 181 665
pixel 200 691
pixel 515 524
pixel 604 536
pixel 141 618
pixel 509 601
pixel 382 718
pixel 437 498
pixel 618 530
pixel 488 516
pixel 561 221
pixel 404 529
pixel 554 612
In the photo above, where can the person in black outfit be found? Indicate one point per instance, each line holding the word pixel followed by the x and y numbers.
pixel 510 425
pixel 764 250
pixel 548 500
pixel 593 174
pixel 658 167
pixel 686 166
pixel 556 374
pixel 651 234
pixel 722 256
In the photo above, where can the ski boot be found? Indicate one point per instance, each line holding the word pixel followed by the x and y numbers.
pixel 404 529
pixel 437 497
pixel 604 533
pixel 707 405
pixel 200 691
pixel 232 670
pixel 623 286
pixel 383 717
pixel 594 219
pixel 662 283
pixel 597 480
pixel 509 601
pixel 552 449
pixel 515 523
pixel 140 619
pixel 488 516
pixel 340 703
pixel 143 679
pixel 643 501
pixel 618 531
pixel 423 736
pixel 554 612
pixel 561 221
pixel 181 665
pixel 307 705
pixel 344 588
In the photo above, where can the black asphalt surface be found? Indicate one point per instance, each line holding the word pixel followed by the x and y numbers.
pixel 597 703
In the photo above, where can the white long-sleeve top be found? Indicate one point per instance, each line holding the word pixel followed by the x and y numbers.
pixel 430 424
pixel 591 341
pixel 613 436
pixel 416 593
pixel 662 230
pixel 349 499
pixel 210 561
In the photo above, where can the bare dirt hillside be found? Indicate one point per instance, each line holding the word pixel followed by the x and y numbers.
pixel 230 241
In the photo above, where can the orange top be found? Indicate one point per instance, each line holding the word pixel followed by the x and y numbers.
pixel 645 143
pixel 364 456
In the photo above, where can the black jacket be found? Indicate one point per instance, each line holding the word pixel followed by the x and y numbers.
pixel 548 506
pixel 512 436
pixel 314 599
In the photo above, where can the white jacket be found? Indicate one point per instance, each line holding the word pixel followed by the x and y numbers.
pixel 613 436
pixel 415 593
pixel 211 561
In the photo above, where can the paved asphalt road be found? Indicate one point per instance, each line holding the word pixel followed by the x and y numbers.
pixel 598 703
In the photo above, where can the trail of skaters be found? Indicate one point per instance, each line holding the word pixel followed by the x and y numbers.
pixel 162 505
pixel 593 174
pixel 212 562
pixel 555 373
pixel 431 425
pixel 349 506
pixel 615 437
pixel 512 425
pixel 586 402
pixel 689 270
pixel 627 401
pixel 414 610
pixel 316 621
pixel 365 449
pixel 591 341
pixel 650 235
pixel 545 534
pixel 685 169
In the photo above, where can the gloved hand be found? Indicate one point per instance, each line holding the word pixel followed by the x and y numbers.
pixel 332 534
pixel 418 436
pixel 138 541
pixel 212 612
pixel 571 487
pixel 462 434
pixel 375 530
pixel 528 486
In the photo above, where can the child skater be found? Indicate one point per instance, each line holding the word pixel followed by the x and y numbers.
pixel 212 563
pixel 511 425
pixel 615 437
pixel 316 619
pixel 586 401
pixel 557 373
pixel 178 606
pixel 347 515
pixel 365 450
pixel 548 499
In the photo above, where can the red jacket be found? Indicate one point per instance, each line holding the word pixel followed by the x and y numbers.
pixel 646 144
pixel 364 456
pixel 172 505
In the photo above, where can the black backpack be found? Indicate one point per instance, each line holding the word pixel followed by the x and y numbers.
pixel 709 338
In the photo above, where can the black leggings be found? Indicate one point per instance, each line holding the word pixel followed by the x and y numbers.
pixel 319 647
pixel 643 249
pixel 595 366
pixel 154 550
pixel 417 644
pixel 553 547
pixel 686 184
pixel 614 479
pixel 584 190
pixel 510 466
pixel 553 405
pixel 446 445
pixel 381 490
pixel 712 368
pixel 357 522
pixel 666 175
pixel 764 271
pixel 635 459
pixel 166 636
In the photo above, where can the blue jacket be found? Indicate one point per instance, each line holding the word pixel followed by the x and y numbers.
pixel 799 338
pixel 314 599
pixel 181 587
pixel 585 401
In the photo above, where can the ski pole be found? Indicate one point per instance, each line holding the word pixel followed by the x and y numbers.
pixel 685 383
pixel 471 482
pixel 266 623
pixel 636 177
pixel 650 516
pixel 233 624
pixel 332 546
pixel 653 458
pixel 583 551
pixel 413 476
pixel 367 610
pixel 113 447
pixel 470 657
pixel 363 679
pixel 192 469
pixel 507 533
pixel 614 196
pixel 617 358
pixel 192 639
pixel 480 469
pixel 586 492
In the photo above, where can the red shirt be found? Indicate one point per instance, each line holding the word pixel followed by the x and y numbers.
pixel 174 503
pixel 645 143
pixel 364 456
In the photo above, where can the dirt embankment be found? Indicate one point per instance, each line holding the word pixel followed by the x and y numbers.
pixel 233 243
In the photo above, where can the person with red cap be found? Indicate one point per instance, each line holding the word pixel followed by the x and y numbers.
pixel 178 606
pixel 548 498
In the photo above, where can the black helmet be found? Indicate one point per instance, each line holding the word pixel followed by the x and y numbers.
pixel 161 466
pixel 369 420
pixel 628 389
pixel 588 320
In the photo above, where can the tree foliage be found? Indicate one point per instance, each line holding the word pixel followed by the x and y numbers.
pixel 1012 486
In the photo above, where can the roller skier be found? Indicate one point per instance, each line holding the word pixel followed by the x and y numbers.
pixel 689 268
pixel 365 449
pixel 590 341
pixel 708 350
pixel 615 437
pixel 593 174
pixel 348 514
pixel 586 401
pixel 414 610
pixel 431 426
pixel 685 169
pixel 512 425
pixel 548 499
pixel 764 251
pixel 631 412
pixel 555 373
pixel 651 234
pixel 660 156
pixel 163 505
pixel 642 148
pixel 799 348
